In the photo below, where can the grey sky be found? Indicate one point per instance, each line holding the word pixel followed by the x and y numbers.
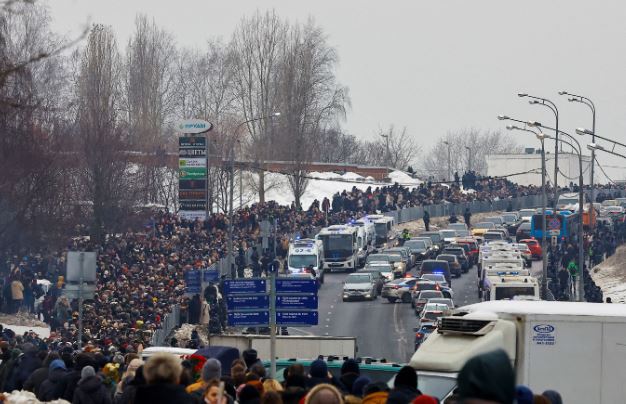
pixel 433 66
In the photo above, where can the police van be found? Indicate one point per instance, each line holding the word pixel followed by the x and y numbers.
pixel 340 247
pixel 305 258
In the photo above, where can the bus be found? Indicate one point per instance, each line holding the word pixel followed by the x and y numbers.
pixel 568 228
pixel 341 247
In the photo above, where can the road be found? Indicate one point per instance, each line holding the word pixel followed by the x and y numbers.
pixel 383 329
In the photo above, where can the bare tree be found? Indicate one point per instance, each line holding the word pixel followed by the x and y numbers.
pixel 480 146
pixel 257 46
pixel 106 172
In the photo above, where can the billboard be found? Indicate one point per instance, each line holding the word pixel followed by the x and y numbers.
pixel 192 169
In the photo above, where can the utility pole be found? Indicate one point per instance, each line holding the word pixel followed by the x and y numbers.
pixel 231 217
pixel 80 300
pixel 544 204
pixel 449 161
pixel 469 158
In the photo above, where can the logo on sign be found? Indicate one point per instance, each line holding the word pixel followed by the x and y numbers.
pixel 194 126
pixel 543 328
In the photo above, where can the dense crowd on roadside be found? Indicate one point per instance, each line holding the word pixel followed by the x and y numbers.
pixel 40 369
pixel 141 273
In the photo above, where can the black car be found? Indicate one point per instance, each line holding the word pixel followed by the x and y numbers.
pixel 460 254
pixel 523 232
pixel 511 222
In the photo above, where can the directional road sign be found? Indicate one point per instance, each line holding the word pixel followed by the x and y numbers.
pixel 245 286
pixel 247 302
pixel 294 285
pixel 193 281
pixel 296 318
pixel 248 318
pixel 211 275
pixel 296 302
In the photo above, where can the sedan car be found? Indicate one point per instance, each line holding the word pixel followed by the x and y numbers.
pixel 359 286
pixel 399 289
pixel 453 262
pixel 422 299
pixel 432 312
pixel 421 333
pixel 445 301
pixel 423 284
pixel 437 278
pixel 460 254
pixel 419 249
pixel 379 278
pixel 385 269
pixel 523 232
pixel 481 228
pixel 534 246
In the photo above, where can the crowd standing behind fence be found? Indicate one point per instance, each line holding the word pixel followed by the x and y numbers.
pixel 140 275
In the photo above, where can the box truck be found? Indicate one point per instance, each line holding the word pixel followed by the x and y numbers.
pixel 577 349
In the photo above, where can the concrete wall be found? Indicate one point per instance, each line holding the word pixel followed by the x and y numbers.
pixel 499 165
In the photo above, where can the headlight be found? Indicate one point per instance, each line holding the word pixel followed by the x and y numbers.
pixel 367 295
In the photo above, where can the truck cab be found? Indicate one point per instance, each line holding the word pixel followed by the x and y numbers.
pixel 304 254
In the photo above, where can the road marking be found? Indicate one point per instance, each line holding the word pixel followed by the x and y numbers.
pixel 330 312
pixel 332 306
pixel 327 319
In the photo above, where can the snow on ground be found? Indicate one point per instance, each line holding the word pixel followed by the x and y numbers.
pixel 326 184
pixel 611 277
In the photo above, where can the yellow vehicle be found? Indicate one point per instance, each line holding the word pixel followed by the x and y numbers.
pixel 481 228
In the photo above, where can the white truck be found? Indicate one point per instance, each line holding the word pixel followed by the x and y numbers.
pixel 341 250
pixel 304 254
pixel 577 349
pixel 508 286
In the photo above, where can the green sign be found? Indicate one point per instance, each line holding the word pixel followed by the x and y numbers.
pixel 190 173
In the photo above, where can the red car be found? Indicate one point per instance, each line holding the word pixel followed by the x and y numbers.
pixel 534 246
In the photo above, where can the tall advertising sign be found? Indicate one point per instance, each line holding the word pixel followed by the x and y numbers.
pixel 193 168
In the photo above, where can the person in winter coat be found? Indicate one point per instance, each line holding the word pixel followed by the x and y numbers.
pixel 375 393
pixel 90 389
pixel 349 373
pixel 17 294
pixel 162 373
pixel 318 374
pixel 36 378
pixel 404 387
pixel 25 365
pixel 487 376
pixel 130 388
pixel 52 387
pixel 73 377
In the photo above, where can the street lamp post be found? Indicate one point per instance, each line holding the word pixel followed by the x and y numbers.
pixel 231 166
pixel 449 161
pixel 544 204
pixel 469 158
pixel 552 106
pixel 387 155
pixel 581 257
pixel 591 105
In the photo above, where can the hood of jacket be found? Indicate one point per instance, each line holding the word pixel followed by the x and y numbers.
pixel 90 384
pixel 56 375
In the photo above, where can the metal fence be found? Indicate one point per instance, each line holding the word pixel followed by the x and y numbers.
pixel 446 209
pixel 169 322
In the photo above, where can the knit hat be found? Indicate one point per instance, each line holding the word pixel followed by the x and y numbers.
pixel 57 364
pixel 212 369
pixel 359 385
pixel 488 376
pixel 319 369
pixel 406 377
pixel 350 366
pixel 87 372
pixel 523 395
pixel 424 399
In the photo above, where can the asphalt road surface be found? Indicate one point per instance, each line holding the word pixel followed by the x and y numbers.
pixel 383 329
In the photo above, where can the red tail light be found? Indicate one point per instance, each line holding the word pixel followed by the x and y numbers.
pixel 395 287
pixel 419 335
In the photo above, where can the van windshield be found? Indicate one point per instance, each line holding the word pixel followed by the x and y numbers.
pixel 302 261
pixel 511 292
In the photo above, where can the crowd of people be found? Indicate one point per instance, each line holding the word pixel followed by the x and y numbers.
pixel 141 273
pixel 56 372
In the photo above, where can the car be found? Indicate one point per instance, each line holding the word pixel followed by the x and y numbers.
pixel 399 289
pixel 511 221
pixel 436 267
pixel 447 235
pixel 457 226
pixel 526 254
pixel 444 300
pixel 422 332
pixel 480 228
pixel 419 249
pixel 523 232
pixel 359 286
pixel 615 212
pixel 493 236
pixel 379 278
pixel 466 247
pixel 534 246
pixel 472 248
pixel 435 237
pixel 433 311
pixel 527 214
pixel 422 298
pixel 497 220
pixel 407 258
pixel 399 263
pixel 463 233
pixel 438 278
pixel 460 254
pixel 385 268
pixel 453 262
pixel 423 284
pixel 610 202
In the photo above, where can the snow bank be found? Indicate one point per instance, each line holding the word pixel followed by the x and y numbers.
pixel 25 397
pixel 21 323
pixel 610 276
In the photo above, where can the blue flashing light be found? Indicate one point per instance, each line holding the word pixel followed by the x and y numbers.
pixel 438 272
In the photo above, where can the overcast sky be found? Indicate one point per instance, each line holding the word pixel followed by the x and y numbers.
pixel 432 66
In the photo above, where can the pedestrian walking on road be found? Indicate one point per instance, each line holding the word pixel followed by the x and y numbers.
pixel 426 220
pixel 467 217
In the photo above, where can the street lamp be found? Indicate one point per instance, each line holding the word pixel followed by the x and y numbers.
pixel 469 158
pixel 584 100
pixel 386 137
pixel 534 100
pixel 579 150
pixel 544 203
pixel 594 147
pixel 449 161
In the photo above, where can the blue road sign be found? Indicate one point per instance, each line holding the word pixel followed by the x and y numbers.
pixel 248 318
pixel 296 302
pixel 193 283
pixel 293 285
pixel 211 275
pixel 247 302
pixel 245 286
pixel 296 318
